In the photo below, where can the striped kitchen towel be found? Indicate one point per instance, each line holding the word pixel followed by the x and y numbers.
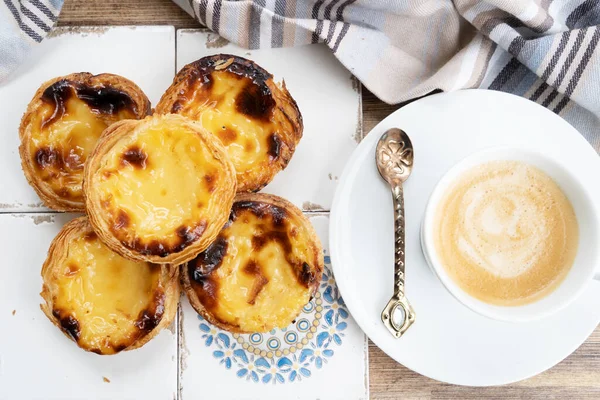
pixel 23 23
pixel 544 50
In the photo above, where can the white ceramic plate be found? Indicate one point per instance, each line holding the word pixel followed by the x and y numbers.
pixel 449 342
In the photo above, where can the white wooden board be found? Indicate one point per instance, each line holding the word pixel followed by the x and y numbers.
pixel 38 362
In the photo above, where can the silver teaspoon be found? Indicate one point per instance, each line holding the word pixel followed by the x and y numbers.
pixel 394 157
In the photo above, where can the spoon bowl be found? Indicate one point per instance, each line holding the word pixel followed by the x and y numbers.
pixel 394 156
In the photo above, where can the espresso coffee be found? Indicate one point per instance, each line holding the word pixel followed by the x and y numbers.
pixel 506 233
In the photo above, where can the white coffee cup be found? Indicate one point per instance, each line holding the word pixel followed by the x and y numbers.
pixel 587 261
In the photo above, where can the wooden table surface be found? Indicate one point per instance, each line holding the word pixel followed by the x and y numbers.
pixel 577 377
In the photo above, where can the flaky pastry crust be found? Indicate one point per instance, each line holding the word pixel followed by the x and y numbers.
pixel 61 125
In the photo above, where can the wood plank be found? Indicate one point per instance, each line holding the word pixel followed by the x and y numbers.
pixel 577 377
pixel 124 12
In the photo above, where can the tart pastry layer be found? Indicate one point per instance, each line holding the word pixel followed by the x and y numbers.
pixel 256 119
pixel 262 269
pixel 159 189
pixel 100 300
pixel 60 128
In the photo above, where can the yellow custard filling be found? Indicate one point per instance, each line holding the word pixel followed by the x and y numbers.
pixel 101 298
pixel 248 140
pixel 159 187
pixel 258 274
pixel 59 147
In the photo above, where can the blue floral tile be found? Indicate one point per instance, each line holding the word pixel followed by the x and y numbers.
pixel 290 354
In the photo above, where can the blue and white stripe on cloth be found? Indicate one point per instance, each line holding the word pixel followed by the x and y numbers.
pixel 544 50
pixel 23 23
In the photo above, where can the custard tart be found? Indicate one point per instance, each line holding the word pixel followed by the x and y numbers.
pixel 100 300
pixel 61 126
pixel 262 269
pixel 256 119
pixel 159 189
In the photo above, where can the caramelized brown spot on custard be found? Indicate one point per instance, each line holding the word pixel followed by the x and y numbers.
pixel 210 181
pixel 227 135
pixel 72 269
pixel 306 275
pixel 253 269
pixel 207 291
pixel 57 95
pixel 255 101
pixel 115 347
pixel 200 269
pixel 209 260
pixel 148 320
pixel 47 156
pixel 135 157
pixel 261 210
pixel 151 317
pixel 120 347
pixel 90 236
pixel 185 237
pixel 68 324
pixel 106 100
pixel 122 221
pixel 189 235
pixel 280 237
pixel 249 146
pixel 153 248
pixel 103 99
pixel 274 143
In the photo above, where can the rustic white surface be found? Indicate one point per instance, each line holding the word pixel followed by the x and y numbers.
pixel 329 101
pixel 36 360
pixel 142 54
pixel 32 348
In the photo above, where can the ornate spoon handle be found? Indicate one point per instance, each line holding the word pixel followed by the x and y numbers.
pixel 398 197
pixel 398 300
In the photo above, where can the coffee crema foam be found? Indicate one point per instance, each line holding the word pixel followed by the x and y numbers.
pixel 506 233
